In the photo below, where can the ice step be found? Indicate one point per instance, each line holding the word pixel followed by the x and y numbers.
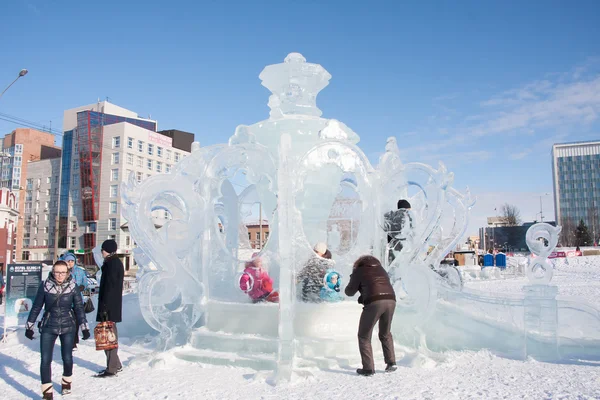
pixel 236 343
pixel 257 362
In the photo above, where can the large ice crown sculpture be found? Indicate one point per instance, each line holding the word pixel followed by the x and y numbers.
pixel 306 178
pixel 295 85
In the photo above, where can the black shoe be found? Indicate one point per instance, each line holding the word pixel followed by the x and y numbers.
pixel 105 374
pixel 391 367
pixel 365 372
pixel 103 371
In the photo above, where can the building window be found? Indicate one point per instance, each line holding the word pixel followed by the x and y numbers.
pixel 158 166
pixel 18 149
pixel 140 146
pixel 167 168
pixel 35 242
pixel 168 155
pixel 159 151
pixel 115 158
pixel 116 142
pixel 55 204
pixel 47 192
pixel 46 229
pixel 73 226
pixel 112 224
pixel 75 194
pixel 45 217
pixel 114 190
pixel 72 211
pixel 36 230
pixel 130 143
pixel 72 242
pixel 45 242
pixel 76 163
pixel 140 162
pixel 139 176
pixel 177 155
pixel 149 164
pixel 112 207
pixel 114 174
pixel 48 179
pixel 127 240
pixel 75 179
pixel 113 237
pixel 150 149
pixel 129 159
pixel 46 205
pixel 257 235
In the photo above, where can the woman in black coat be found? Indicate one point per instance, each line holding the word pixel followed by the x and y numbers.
pixel 63 309
pixel 110 300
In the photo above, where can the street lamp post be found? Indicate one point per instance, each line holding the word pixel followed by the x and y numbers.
pixel 22 73
pixel 541 209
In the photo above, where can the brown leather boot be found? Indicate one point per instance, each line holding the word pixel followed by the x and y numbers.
pixel 66 385
pixel 47 391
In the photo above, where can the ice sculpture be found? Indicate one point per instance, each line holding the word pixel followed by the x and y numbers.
pixel 314 184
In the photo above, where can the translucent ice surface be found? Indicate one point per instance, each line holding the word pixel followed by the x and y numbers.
pixel 228 273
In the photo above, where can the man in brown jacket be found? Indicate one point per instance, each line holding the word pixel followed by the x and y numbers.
pixel 379 300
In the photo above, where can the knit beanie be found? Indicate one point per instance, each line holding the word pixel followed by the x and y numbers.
pixel 109 246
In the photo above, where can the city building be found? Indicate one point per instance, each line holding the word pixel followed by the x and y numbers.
pixel 576 179
pixel 258 233
pixel 103 144
pixel 181 140
pixel 8 226
pixel 19 148
pixel 497 221
pixel 41 209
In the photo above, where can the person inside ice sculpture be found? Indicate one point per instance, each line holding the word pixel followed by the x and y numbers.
pixel 256 282
pixel 330 292
pixel 399 227
pixel 312 275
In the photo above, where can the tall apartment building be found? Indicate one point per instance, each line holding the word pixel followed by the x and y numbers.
pixel 8 226
pixel 41 208
pixel 19 148
pixel 102 145
pixel 576 178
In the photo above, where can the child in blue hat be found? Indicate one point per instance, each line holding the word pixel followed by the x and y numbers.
pixel 331 289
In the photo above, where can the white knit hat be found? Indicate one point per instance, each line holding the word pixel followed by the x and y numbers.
pixel 320 247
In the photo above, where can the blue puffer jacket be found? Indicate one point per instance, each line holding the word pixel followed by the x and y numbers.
pixel 64 313
pixel 331 291
pixel 80 278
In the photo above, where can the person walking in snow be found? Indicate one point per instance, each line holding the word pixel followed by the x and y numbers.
pixel 379 300
pixel 80 278
pixel 399 228
pixel 110 301
pixel 63 312
pixel 256 282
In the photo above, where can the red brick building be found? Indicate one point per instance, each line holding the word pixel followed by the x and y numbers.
pixel 8 226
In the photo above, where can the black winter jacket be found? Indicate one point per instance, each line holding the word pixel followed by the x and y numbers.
pixel 60 316
pixel 373 283
pixel 110 296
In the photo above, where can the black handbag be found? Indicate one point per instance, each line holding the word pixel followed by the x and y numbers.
pixel 88 307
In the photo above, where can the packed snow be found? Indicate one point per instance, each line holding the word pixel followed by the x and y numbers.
pixel 421 375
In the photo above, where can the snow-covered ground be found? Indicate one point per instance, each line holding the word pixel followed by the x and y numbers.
pixel 451 375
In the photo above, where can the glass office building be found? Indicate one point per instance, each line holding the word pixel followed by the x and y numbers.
pixel 576 178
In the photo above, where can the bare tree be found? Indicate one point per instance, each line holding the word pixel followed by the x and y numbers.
pixel 511 215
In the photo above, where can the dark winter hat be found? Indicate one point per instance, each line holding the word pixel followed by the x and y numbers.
pixel 403 204
pixel 109 246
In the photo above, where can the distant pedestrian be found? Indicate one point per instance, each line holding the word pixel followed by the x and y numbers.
pixel 1 284
pixel 379 300
pixel 63 311
pixel 80 278
pixel 110 301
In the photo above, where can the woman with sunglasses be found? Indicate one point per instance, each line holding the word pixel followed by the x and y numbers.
pixel 63 309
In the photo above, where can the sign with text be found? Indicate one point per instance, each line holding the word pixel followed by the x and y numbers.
pixel 22 283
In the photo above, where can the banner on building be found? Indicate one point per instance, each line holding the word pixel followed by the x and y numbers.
pixel 22 283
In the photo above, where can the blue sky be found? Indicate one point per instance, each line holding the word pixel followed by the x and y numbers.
pixel 485 87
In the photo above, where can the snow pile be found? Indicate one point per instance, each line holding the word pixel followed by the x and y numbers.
pixel 421 374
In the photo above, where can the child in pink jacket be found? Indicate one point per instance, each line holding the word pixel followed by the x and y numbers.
pixel 256 282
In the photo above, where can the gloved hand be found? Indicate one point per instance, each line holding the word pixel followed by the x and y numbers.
pixel 86 334
pixel 336 288
pixel 29 334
